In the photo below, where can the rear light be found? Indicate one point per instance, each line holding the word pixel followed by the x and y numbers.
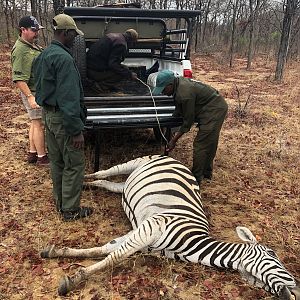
pixel 187 73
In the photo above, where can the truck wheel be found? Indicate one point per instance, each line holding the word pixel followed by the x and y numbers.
pixel 79 53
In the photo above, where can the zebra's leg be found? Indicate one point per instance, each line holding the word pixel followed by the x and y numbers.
pixel 144 236
pixel 108 185
pixel 95 252
pixel 122 169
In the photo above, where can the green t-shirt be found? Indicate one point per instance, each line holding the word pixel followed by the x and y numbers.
pixel 22 56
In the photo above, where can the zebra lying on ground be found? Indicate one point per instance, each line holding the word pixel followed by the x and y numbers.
pixel 161 198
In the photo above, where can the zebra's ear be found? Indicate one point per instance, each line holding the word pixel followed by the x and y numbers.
pixel 246 235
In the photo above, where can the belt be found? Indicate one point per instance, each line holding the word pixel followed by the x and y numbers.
pixel 51 108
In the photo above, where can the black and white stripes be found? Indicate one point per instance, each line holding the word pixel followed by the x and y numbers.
pixel 162 185
pixel 161 198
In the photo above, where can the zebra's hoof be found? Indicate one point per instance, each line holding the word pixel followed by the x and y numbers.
pixel 65 284
pixel 48 252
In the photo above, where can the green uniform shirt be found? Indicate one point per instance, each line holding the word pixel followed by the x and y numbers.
pixel 58 85
pixel 22 56
pixel 196 102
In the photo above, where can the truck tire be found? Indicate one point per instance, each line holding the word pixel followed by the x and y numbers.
pixel 79 53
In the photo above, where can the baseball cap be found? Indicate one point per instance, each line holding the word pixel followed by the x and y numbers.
pixel 30 22
pixel 63 21
pixel 133 33
pixel 163 78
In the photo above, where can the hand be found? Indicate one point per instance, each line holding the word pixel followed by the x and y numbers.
pixel 171 145
pixel 32 103
pixel 78 141
pixel 134 76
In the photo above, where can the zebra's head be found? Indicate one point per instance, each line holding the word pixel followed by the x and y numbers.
pixel 260 266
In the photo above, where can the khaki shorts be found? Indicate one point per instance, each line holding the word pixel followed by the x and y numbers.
pixel 34 114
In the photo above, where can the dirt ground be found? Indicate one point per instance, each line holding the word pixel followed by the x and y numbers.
pixel 256 184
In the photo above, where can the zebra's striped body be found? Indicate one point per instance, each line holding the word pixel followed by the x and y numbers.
pixel 161 198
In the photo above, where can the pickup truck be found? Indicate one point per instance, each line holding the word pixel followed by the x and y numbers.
pixel 163 43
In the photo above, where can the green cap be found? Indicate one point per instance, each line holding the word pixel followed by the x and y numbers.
pixel 162 80
pixel 63 21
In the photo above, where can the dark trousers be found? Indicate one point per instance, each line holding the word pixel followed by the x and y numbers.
pixel 206 143
pixel 106 80
pixel 66 163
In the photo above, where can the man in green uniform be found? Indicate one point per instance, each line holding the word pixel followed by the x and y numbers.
pixel 198 103
pixel 24 51
pixel 59 92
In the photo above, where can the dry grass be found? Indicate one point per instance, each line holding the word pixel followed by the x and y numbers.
pixel 256 184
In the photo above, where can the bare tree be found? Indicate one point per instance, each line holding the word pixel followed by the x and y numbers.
pixel 206 12
pixel 290 7
pixel 252 20
pixel 5 7
pixel 295 41
pixel 58 6
pixel 34 8
pixel 233 30
pixel 226 26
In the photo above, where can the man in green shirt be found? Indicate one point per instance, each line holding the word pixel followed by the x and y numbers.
pixel 198 103
pixel 23 54
pixel 59 92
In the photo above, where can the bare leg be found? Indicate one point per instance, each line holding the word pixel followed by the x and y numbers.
pixel 31 142
pixel 38 136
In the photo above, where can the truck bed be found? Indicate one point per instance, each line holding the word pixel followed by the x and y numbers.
pixel 125 88
pixel 131 106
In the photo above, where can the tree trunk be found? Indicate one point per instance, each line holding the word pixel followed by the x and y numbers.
pixel 250 45
pixel 197 32
pixel 233 29
pixel 33 5
pixel 289 12
pixel 58 6
pixel 207 11
pixel 6 14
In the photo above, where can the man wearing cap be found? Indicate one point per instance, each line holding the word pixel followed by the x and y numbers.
pixel 198 103
pixel 24 51
pixel 105 57
pixel 59 92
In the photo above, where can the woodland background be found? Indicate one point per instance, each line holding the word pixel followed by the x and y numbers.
pixel 249 51
pixel 246 28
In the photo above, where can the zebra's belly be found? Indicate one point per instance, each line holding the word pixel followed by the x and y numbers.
pixel 152 205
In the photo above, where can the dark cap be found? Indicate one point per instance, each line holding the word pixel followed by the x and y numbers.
pixel 30 22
